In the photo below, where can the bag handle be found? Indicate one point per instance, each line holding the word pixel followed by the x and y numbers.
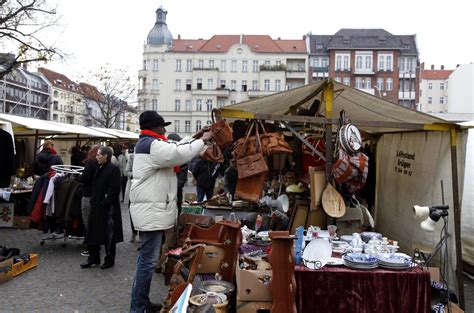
pixel 249 131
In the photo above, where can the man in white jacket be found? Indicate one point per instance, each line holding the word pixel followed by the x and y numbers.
pixel 153 196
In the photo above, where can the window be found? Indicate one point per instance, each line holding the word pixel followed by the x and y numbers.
pixel 178 84
pixel 155 65
pixel 338 79
pixel 254 84
pixel 277 85
pixel 338 63
pixel 388 63
pixel 177 105
pixel 210 84
pixel 446 102
pixel 178 65
pixel 367 82
pixel 389 84
pixel 211 63
pixel 358 82
pixel 255 66
pixel 189 65
pixel 347 81
pixel 221 103
pixel 187 126
pixel 223 65
pixel 200 63
pixel 358 62
pixel 55 93
pixel 144 64
pixel 222 83
pixel 267 63
pixel 176 126
pixel 244 85
pixel 421 92
pixel 233 66
pixel 368 62
pixel 232 101
pixel 209 105
pixel 154 104
pixel 209 122
pixel 55 105
pixel 267 85
pixel 441 86
pixel 324 62
pixel 316 62
pixel 199 84
pixel 381 62
pixel 198 105
pixel 187 106
pixel 198 125
pixel 385 62
pixel 189 84
pixel 233 85
pixel 244 66
pixel 430 86
pixel 346 62
pixel 156 85
pixel 441 100
pixel 380 83
pixel 55 117
pixel 278 63
pixel 430 100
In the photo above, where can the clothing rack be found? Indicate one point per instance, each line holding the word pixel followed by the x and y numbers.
pixel 64 170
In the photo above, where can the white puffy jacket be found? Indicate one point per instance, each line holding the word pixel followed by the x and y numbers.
pixel 154 183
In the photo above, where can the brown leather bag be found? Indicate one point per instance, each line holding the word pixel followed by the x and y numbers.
pixel 212 154
pixel 251 188
pixel 222 133
pixel 251 164
pixel 274 143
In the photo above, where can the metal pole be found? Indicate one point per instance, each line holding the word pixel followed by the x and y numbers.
pixel 457 218
pixel 328 94
pixel 36 145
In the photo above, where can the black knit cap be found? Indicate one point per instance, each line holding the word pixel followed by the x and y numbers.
pixel 151 119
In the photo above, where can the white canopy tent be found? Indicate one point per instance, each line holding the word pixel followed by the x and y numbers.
pixel 123 134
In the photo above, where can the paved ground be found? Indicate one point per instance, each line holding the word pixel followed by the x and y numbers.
pixel 59 284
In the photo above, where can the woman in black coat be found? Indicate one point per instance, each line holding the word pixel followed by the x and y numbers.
pixel 105 219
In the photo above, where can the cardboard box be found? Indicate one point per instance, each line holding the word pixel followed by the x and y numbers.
pixel 253 285
pixel 434 273
pixel 211 260
pixel 6 270
pixel 254 307
pixel 454 308
pixel 21 222
pixel 21 267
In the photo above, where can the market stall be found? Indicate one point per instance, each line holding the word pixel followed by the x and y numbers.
pixel 380 122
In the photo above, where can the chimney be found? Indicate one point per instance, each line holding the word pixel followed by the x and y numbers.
pixel 432 66
pixel 179 36
pixel 279 38
pixel 422 65
pixel 442 67
pixel 457 65
pixel 304 37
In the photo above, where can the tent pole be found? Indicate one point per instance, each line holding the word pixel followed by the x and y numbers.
pixel 457 218
pixel 36 144
pixel 328 94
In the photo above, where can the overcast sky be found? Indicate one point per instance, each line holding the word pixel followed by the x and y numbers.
pixel 96 32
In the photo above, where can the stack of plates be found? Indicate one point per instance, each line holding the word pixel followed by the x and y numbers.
pixel 360 261
pixel 367 235
pixel 346 238
pixel 395 262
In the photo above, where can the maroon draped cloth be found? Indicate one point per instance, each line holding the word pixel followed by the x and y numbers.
pixel 342 289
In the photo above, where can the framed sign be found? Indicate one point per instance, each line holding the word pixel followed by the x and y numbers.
pixel 6 214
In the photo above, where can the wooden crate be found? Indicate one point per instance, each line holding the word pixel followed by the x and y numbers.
pixel 21 267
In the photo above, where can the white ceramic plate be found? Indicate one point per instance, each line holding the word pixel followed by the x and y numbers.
pixel 335 261
pixel 317 254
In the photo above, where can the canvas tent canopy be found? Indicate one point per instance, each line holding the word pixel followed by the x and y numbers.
pixel 398 129
pixel 118 133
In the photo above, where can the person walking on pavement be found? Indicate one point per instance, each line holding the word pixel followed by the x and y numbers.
pixel 87 177
pixel 153 196
pixel 123 160
pixel 105 219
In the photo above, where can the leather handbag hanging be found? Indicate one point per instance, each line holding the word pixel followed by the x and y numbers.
pixel 221 131
pixel 251 164
pixel 251 188
pixel 212 153
pixel 274 143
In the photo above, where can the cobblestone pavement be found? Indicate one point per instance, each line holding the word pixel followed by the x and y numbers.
pixel 58 284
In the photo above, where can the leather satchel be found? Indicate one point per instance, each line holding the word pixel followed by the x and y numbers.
pixel 251 188
pixel 274 143
pixel 212 154
pixel 251 164
pixel 222 133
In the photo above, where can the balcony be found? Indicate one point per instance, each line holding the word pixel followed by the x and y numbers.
pixel 279 67
pixel 320 69
pixel 364 71
pixel 406 75
pixel 406 95
pixel 259 93
pixel 220 92
pixel 142 73
pixel 296 74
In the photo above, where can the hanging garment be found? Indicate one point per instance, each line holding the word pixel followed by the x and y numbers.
pixel 7 158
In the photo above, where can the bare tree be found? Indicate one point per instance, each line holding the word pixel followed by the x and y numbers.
pixel 113 91
pixel 24 25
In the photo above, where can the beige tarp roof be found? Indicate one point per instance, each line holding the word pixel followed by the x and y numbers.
pixel 123 134
pixel 358 105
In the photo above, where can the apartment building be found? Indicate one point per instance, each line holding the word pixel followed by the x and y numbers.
pixel 184 79
pixel 25 94
pixel 434 90
pixel 372 60
pixel 67 99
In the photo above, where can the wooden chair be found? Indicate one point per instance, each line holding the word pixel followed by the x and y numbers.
pixel 224 234
pixel 184 273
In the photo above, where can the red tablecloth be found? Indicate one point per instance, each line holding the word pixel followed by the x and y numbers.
pixel 341 289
